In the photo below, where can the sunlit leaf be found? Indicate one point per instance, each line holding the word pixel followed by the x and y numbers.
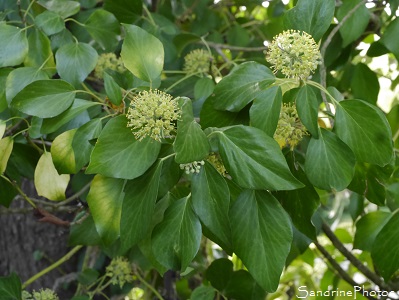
pixel 44 98
pixel 48 182
pixel 105 201
pixel 142 53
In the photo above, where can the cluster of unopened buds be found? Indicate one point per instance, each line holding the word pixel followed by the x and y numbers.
pixel 198 61
pixel 294 53
pixel 120 271
pixel 290 129
pixel 108 61
pixel 152 113
pixel 45 294
pixel 217 163
pixel 193 167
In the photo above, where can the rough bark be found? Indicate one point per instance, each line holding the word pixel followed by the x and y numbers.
pixel 21 235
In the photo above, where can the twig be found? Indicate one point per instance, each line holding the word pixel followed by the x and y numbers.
pixel 74 196
pixel 26 210
pixel 236 48
pixel 357 263
pixel 52 267
pixel 149 286
pixel 341 272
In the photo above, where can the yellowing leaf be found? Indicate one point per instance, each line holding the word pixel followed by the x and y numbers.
pixel 48 182
pixel 6 145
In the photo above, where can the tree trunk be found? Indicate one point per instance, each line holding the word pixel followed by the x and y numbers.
pixel 21 235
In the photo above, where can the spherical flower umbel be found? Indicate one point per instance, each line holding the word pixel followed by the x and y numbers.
pixel 197 61
pixel 294 53
pixel 108 61
pixel 120 271
pixel 193 167
pixel 152 113
pixel 46 294
pixel 290 129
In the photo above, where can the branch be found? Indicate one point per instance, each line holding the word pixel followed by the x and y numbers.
pixel 341 272
pixel 52 267
pixel 357 263
pixel 236 48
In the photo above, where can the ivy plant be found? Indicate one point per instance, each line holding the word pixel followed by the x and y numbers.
pixel 211 138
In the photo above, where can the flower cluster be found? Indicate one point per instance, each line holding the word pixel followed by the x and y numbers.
pixel 120 271
pixel 193 167
pixel 294 53
pixel 217 162
pixel 290 129
pixel 152 113
pixel 108 61
pixel 196 61
pixel 46 294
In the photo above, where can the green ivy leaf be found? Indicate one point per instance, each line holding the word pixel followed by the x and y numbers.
pixel 87 277
pixel 48 182
pixel 364 84
pixel 384 251
pixel 242 286
pixel 371 144
pixel 313 17
pixel 210 117
pixel 75 61
pixel 63 154
pixel 7 192
pixel 191 143
pixel 302 203
pixel 10 287
pixel 3 126
pixel 211 201
pixel 105 201
pixel 184 39
pixel 22 162
pixel 104 28
pixel 307 107
pixel 219 273
pixel 388 38
pixel 176 240
pixel 78 106
pixel 126 11
pixel 203 293
pixel 112 89
pixel 265 110
pixel 84 233
pixel 367 229
pixel 241 86
pixel 6 145
pixel 14 45
pixel 20 78
pixel 4 72
pixel 118 154
pixel 254 160
pixel 49 22
pixel 355 25
pixel 138 206
pixel 64 8
pixel 142 53
pixel 43 59
pixel 262 236
pixel 330 163
pixel 44 98
pixel 81 141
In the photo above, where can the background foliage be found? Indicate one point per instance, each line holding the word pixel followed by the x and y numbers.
pixel 256 220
